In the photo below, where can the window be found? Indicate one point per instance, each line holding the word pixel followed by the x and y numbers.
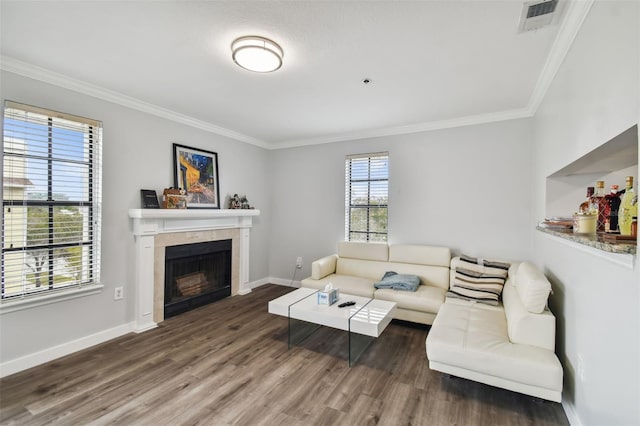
pixel 51 202
pixel 366 197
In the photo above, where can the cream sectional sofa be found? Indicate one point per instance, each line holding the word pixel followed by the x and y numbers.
pixel 358 266
pixel 509 346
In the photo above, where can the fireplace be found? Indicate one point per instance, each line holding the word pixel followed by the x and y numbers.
pixel 196 274
pixel 156 229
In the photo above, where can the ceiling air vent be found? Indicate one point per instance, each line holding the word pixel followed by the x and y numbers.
pixel 537 14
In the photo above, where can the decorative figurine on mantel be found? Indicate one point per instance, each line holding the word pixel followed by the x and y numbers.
pixel 234 202
pixel 174 198
pixel 244 203
pixel 239 202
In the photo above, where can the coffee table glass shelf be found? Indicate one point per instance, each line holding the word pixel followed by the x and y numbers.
pixel 363 321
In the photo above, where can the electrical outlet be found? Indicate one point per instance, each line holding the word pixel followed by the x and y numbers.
pixel 581 368
pixel 299 262
pixel 119 293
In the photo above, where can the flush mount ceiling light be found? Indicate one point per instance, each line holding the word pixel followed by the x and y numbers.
pixel 258 54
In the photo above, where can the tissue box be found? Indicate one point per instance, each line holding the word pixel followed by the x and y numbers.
pixel 328 297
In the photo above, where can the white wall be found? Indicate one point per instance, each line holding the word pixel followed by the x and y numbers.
pixel 593 98
pixel 137 154
pixel 466 188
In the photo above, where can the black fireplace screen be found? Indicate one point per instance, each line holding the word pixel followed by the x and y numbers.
pixel 195 275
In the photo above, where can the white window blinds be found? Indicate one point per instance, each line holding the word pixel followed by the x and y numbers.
pixel 51 201
pixel 366 197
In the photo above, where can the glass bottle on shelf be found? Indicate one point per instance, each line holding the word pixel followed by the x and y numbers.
pixel 601 203
pixel 627 208
pixel 586 219
pixel 613 204
pixel 588 206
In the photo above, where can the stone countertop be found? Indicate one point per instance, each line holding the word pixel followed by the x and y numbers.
pixel 595 241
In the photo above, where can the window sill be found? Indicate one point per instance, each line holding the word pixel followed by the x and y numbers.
pixel 35 301
pixel 620 254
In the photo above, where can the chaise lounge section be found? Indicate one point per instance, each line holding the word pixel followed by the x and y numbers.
pixel 511 346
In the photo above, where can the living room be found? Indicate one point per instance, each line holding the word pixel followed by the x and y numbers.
pixel 477 186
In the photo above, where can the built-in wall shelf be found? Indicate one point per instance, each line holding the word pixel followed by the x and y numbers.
pixel 611 162
pixel 621 254
pixel 566 188
pixel 617 154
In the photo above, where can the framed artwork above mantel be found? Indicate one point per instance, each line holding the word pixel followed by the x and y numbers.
pixel 196 171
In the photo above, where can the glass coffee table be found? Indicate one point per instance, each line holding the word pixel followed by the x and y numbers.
pixel 363 321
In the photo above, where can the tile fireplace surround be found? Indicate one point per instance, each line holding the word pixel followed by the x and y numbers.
pixel 155 229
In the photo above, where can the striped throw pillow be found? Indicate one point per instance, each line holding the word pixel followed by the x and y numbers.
pixel 479 281
pixel 487 264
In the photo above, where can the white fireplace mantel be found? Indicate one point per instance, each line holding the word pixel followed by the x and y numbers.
pixel 158 221
pixel 150 224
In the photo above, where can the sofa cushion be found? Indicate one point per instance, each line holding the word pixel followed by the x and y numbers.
pixel 533 287
pixel 364 251
pixel 424 299
pixel 396 281
pixel 467 302
pixel 476 339
pixel 420 255
pixel 371 269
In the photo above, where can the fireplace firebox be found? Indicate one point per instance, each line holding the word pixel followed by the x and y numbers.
pixel 195 275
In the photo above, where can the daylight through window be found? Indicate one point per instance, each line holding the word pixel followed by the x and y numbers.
pixel 51 202
pixel 366 197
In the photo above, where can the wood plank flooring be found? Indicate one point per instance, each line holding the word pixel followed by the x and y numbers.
pixel 228 363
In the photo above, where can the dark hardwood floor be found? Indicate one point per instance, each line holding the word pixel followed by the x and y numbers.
pixel 228 363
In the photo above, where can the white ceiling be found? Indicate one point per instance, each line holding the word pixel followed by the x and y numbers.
pixel 433 63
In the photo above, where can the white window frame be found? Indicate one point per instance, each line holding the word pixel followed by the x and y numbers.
pixel 371 180
pixel 22 160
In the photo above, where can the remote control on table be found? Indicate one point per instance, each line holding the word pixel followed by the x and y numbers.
pixel 345 304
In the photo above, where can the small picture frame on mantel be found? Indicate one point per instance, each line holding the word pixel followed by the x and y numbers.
pixel 149 199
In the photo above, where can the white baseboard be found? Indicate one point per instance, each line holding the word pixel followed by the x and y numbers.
pixel 25 362
pixel 284 281
pixel 273 280
pixel 571 414
pixel 19 364
pixel 254 284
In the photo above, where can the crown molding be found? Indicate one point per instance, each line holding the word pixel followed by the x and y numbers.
pixel 574 18
pixel 25 69
pixel 470 120
pixel 575 15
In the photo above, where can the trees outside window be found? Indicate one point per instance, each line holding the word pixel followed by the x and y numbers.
pixel 51 201
pixel 366 197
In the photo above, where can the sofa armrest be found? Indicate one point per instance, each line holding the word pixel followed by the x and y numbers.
pixel 322 267
pixel 525 327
